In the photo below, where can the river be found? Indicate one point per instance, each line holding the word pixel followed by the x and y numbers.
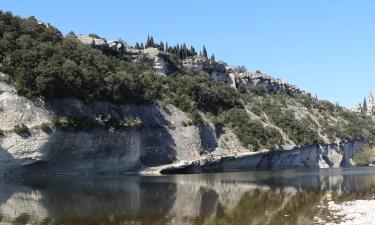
pixel 259 197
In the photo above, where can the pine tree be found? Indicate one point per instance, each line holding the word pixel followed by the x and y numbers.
pixel 142 46
pixel 204 52
pixel 137 46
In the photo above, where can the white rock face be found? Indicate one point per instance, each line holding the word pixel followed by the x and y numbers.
pixel 112 46
pixel 158 59
pixel 314 156
pixel 220 72
pixel 227 76
pixel 163 139
pixel 359 212
pixel 268 83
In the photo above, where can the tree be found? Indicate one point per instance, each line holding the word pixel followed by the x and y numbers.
pixel 212 57
pixel 161 46
pixel 204 52
pixel 137 46
pixel 364 106
pixel 147 41
pixel 150 42
pixel 71 34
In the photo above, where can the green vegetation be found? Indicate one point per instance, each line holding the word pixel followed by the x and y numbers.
pixel 179 51
pixel 364 158
pixel 305 120
pixel 100 122
pixel 45 127
pixel 43 63
pixel 21 129
pixel 252 133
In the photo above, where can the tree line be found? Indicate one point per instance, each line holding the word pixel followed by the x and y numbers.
pixel 182 51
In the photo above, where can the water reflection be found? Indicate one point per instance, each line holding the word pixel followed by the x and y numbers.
pixel 285 197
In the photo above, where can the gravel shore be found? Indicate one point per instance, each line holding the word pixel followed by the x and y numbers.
pixel 358 212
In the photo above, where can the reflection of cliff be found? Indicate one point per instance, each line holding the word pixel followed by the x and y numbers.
pixel 232 198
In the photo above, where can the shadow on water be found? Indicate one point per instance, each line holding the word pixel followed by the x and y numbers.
pixel 284 197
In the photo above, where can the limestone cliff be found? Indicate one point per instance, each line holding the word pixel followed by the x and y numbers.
pixel 165 139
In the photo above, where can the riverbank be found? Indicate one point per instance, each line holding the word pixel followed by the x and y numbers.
pixel 358 212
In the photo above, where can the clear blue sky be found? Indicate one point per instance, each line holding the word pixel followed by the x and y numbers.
pixel 323 46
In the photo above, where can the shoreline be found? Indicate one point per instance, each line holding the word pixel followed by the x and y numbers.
pixel 355 212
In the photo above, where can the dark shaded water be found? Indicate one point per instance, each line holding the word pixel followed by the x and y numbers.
pixel 284 197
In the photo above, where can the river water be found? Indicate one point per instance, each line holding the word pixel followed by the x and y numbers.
pixel 261 197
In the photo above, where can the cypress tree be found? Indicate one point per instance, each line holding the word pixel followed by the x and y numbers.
pixel 204 52
pixel 137 46
pixel 161 46
pixel 212 57
pixel 192 50
pixel 364 106
pixel 147 42
pixel 152 43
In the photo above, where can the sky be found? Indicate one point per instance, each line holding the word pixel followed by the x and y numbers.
pixel 326 47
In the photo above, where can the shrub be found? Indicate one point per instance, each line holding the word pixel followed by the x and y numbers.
pixel 45 127
pixel 252 133
pixel 21 129
pixel 363 158
pixel 132 122
pixel 62 122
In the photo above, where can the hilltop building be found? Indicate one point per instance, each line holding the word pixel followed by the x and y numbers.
pixel 367 107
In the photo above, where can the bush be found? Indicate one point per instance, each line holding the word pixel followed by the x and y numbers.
pixel 131 122
pixel 363 158
pixel 21 129
pixel 45 127
pixel 252 134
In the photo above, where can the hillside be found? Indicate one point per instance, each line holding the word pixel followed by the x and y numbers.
pixel 85 98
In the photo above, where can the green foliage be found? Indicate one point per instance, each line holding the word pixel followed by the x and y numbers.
pixel 21 129
pixel 107 122
pixel 45 127
pixel 43 63
pixel 363 158
pixel 301 131
pixel 252 133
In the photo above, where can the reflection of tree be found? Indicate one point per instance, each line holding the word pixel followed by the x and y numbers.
pixel 271 207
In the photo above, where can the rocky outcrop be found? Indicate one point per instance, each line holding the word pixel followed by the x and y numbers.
pixel 161 64
pixel 268 83
pixel 310 157
pixel 226 75
pixel 158 60
pixel 165 139
pixel 113 47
